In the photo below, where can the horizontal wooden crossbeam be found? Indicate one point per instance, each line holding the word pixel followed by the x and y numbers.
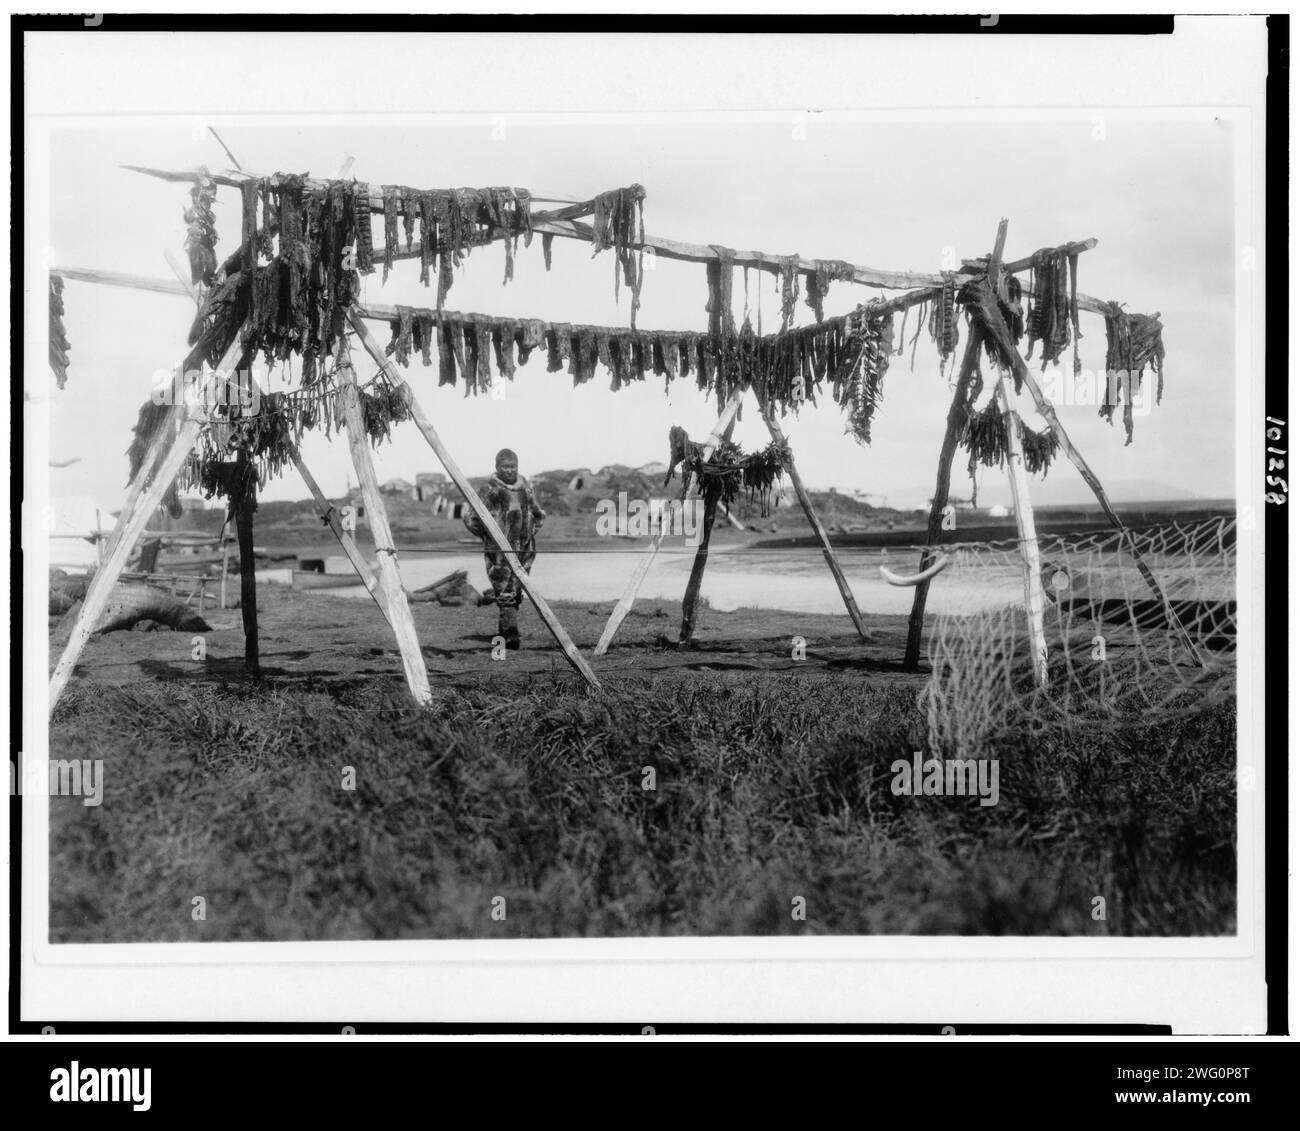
pixel 236 178
pixel 763 261
pixel 555 224
pixel 384 313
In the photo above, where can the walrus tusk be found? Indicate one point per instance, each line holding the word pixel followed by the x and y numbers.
pixel 915 579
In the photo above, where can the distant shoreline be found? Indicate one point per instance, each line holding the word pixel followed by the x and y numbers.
pixel 285 542
pixel 974 527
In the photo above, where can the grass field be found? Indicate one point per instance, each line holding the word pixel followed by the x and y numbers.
pixel 772 781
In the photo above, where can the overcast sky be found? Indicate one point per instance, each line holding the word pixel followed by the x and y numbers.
pixel 1156 194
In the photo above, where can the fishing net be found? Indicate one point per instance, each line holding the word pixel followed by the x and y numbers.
pixel 1115 650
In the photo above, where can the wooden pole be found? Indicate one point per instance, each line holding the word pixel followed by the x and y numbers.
pixel 639 574
pixel 244 503
pixel 664 248
pixel 985 308
pixel 168 431
pixel 166 455
pixel 805 501
pixel 236 178
pixel 691 599
pixel 173 424
pixel 957 416
pixel 330 514
pixel 957 413
pixel 1023 507
pixel 131 523
pixel 712 493
pixel 731 518
pixel 381 313
pixel 1019 480
pixel 417 676
pixel 183 278
pixel 557 224
pixel 225 562
pixel 476 504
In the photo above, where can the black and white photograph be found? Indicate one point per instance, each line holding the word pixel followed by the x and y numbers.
pixel 804 502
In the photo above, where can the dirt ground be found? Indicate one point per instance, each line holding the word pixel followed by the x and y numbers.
pixel 321 636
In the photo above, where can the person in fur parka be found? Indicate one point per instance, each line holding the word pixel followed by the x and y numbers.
pixel 510 498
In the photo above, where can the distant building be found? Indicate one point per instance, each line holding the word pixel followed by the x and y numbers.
pixel 998 512
pixel 429 485
pixel 396 487
pixel 445 506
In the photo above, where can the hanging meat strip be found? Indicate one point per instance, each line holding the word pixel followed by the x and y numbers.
pixel 819 283
pixel 59 345
pixel 201 230
pixel 446 356
pixel 361 225
pixel 391 206
pixel 423 335
pixel 618 223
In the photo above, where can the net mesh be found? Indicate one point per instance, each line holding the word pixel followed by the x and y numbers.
pixel 1114 647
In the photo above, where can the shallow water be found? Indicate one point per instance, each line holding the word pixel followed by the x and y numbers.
pixel 796 580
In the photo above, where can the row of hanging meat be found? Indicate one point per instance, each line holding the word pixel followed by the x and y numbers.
pixel 849 354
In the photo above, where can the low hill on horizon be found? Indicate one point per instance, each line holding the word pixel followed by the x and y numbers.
pixel 571 497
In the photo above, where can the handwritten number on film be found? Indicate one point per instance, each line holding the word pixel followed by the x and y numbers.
pixel 1275 463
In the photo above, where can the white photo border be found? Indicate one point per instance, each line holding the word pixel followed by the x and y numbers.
pixel 1197 985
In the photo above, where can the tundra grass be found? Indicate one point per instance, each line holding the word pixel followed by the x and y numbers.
pixel 693 804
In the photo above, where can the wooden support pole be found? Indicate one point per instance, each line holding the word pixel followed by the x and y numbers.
pixel 166 455
pixel 712 493
pixel 175 421
pixel 131 524
pixel 1024 511
pixel 805 501
pixel 639 574
pixel 244 502
pixel 731 518
pixel 330 514
pixel 417 676
pixel 1019 480
pixel 986 310
pixel 691 599
pixel 628 599
pixel 957 413
pixel 476 504
pixel 225 558
pixel 167 432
